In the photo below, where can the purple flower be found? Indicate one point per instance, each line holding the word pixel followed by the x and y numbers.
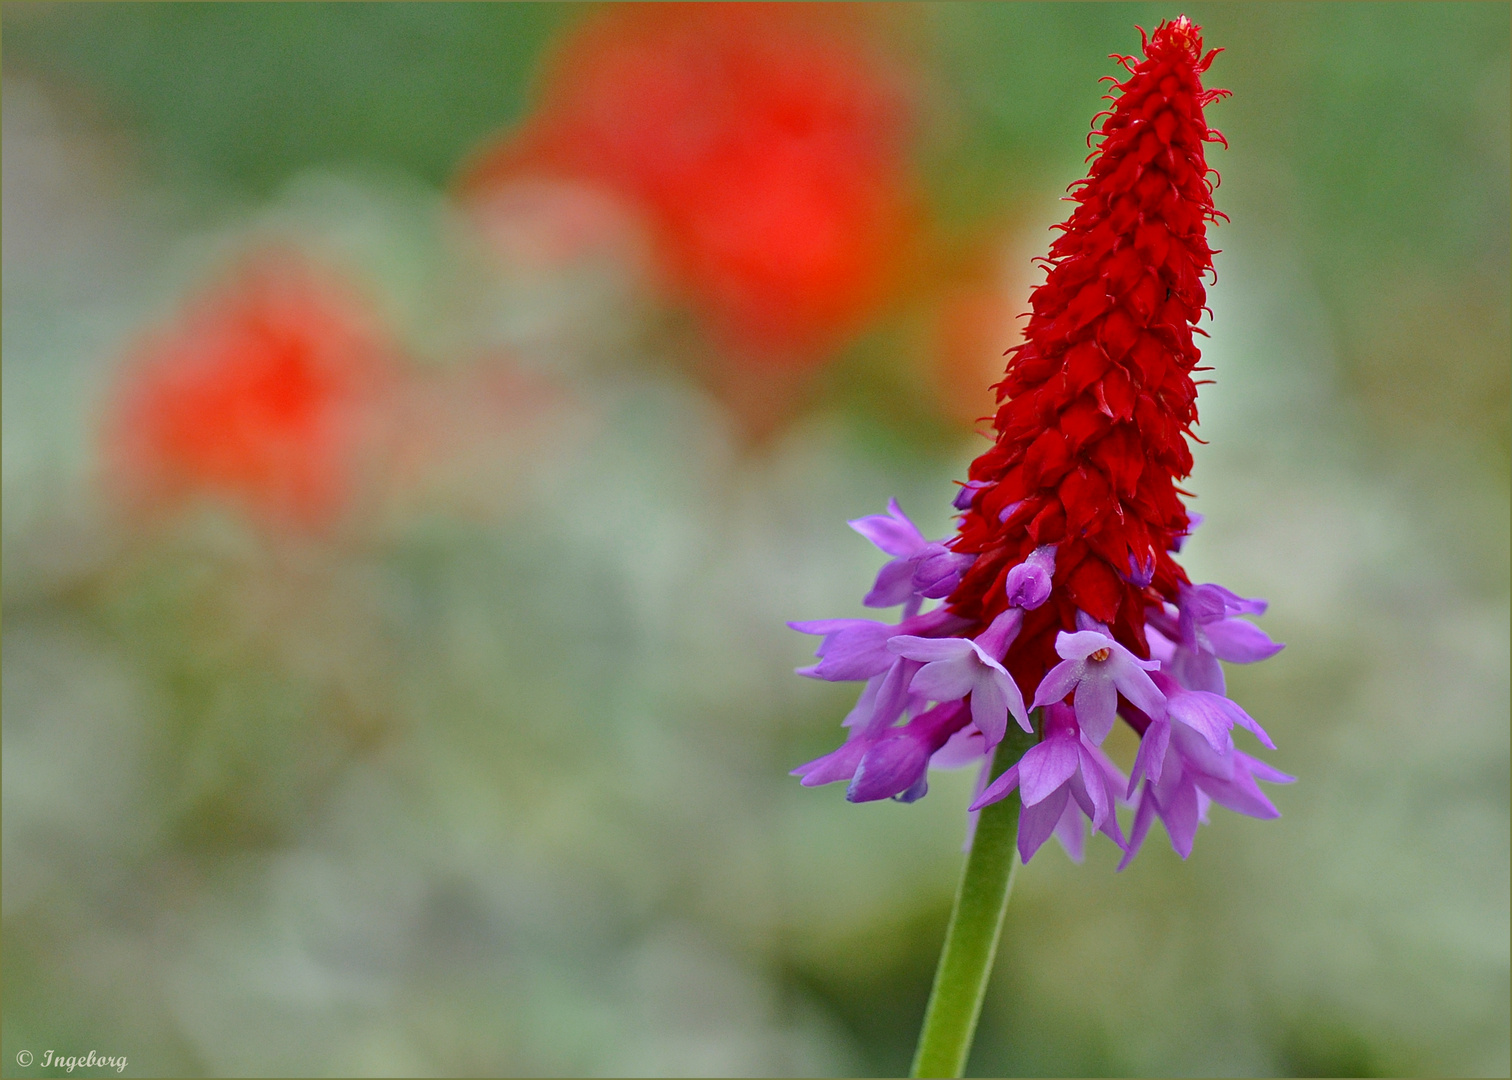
pixel 1194 775
pixel 900 538
pixel 1212 716
pixel 953 695
pixel 959 744
pixel 938 570
pixel 920 569
pixel 1029 582
pixel 1064 775
pixel 1187 759
pixel 851 649
pixel 857 648
pixel 955 667
pixel 1204 631
pixel 839 764
pixel 884 699
pixel 1098 669
pixel 896 764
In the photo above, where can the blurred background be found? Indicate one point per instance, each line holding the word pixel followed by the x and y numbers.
pixel 420 420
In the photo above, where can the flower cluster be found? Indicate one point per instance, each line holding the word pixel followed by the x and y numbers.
pixel 1059 587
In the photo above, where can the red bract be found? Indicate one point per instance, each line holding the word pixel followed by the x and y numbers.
pixel 262 394
pixel 766 143
pixel 1098 401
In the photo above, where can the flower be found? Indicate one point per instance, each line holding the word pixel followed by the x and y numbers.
pixel 1204 632
pixel 266 393
pixel 1188 759
pixel 857 648
pixel 1097 669
pixel 895 765
pixel 899 537
pixel 1060 581
pixel 1063 774
pixel 919 569
pixel 767 146
pixel 956 668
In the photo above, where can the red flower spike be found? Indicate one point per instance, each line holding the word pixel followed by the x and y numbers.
pixel 1066 527
pixel 264 394
pixel 1098 401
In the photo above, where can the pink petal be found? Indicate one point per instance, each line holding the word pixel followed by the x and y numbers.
pixel 1095 786
pixel 1179 813
pixel 1059 681
pixel 1266 772
pixel 1082 644
pixel 838 764
pixel 1204 713
pixel 1016 702
pixel 945 680
pixel 1135 685
pixel 1151 756
pixel 1198 756
pixel 892 696
pixel 892 532
pixel 997 790
pixel 894 584
pixel 989 707
pixel 1240 642
pixel 929 650
pixel 1096 705
pixel 965 747
pixel 1240 794
pixel 1046 767
pixel 1037 822
pixel 1197 670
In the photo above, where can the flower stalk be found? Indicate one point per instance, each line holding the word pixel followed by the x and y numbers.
pixel 976 922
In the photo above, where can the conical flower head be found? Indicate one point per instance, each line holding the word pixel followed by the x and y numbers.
pixel 1097 403
pixel 1058 585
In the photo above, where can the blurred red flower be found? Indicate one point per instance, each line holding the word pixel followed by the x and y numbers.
pixel 267 392
pixel 767 145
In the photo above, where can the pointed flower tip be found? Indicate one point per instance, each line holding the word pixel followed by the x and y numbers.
pixel 1180 36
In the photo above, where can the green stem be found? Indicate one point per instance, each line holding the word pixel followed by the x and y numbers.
pixel 972 937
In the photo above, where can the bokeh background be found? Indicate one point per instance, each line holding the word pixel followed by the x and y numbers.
pixel 420 420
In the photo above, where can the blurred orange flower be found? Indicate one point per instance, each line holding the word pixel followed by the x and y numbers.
pixel 268 392
pixel 766 144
